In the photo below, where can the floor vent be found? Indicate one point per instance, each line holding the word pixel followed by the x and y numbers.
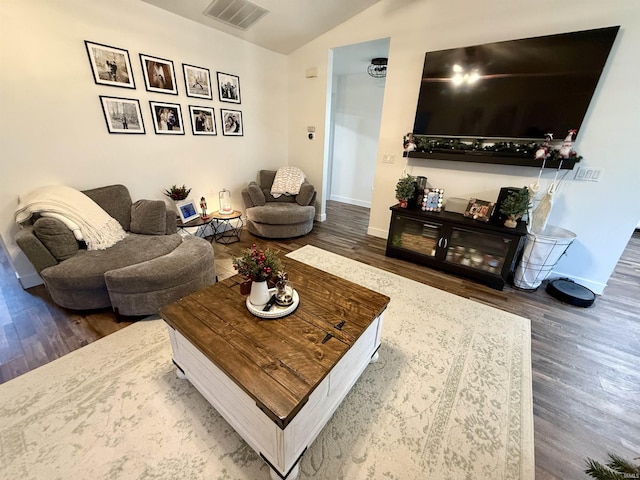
pixel 237 13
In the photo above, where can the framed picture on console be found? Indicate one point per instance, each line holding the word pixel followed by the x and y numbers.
pixel 159 75
pixel 203 120
pixel 188 210
pixel 167 118
pixel 197 81
pixel 110 65
pixel 232 123
pixel 433 199
pixel 228 88
pixel 479 210
pixel 122 115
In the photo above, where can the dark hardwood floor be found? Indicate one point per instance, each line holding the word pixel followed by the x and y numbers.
pixel 585 361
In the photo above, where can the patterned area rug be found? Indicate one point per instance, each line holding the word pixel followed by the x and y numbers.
pixel 450 398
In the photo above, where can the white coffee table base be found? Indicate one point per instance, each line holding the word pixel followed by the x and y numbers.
pixel 280 447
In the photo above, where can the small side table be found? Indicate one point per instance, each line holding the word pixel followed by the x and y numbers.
pixel 203 224
pixel 224 230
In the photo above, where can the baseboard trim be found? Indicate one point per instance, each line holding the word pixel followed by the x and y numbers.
pixel 29 280
pixel 350 201
pixel 377 232
pixel 595 287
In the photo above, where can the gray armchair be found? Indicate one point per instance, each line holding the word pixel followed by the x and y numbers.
pixel 284 217
pixel 151 267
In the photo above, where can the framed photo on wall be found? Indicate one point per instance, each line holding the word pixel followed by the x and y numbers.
pixel 159 75
pixel 167 118
pixel 228 88
pixel 203 121
pixel 197 81
pixel 110 65
pixel 122 115
pixel 232 123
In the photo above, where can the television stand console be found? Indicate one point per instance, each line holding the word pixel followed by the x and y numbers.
pixel 485 252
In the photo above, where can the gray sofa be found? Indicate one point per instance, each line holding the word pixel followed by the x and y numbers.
pixel 151 267
pixel 284 217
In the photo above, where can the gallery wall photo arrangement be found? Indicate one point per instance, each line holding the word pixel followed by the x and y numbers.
pixel 228 88
pixel 197 81
pixel 232 123
pixel 167 118
pixel 159 75
pixel 110 65
pixel 122 115
pixel 203 121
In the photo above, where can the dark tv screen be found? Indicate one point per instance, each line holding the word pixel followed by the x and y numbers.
pixel 520 89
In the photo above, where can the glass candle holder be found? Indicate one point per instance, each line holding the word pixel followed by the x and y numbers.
pixel 224 197
pixel 284 292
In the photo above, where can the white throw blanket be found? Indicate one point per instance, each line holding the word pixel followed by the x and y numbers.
pixel 99 229
pixel 287 182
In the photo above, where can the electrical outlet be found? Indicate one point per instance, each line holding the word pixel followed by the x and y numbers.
pixel 588 174
pixel 389 159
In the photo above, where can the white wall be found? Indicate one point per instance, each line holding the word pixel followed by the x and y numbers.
pixel 356 122
pixel 52 127
pixel 607 134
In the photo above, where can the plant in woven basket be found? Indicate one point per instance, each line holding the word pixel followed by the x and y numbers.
pixel 177 193
pixel 616 469
pixel 257 264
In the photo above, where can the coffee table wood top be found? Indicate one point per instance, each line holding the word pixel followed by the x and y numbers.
pixel 277 362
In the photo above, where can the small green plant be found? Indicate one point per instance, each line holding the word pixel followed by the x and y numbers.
pixel 516 204
pixel 177 193
pixel 616 469
pixel 406 188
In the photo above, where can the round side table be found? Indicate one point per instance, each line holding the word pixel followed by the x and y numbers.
pixel 202 224
pixel 227 227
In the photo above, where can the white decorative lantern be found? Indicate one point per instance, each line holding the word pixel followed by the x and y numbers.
pixel 225 201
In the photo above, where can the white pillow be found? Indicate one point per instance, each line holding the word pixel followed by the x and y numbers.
pixel 71 225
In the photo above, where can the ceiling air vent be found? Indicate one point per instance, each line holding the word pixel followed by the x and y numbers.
pixel 237 13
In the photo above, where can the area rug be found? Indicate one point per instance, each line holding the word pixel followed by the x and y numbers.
pixel 450 398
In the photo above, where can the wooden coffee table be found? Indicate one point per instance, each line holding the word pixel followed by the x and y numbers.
pixel 277 382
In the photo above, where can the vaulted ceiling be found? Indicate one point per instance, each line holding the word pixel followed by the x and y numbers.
pixel 286 25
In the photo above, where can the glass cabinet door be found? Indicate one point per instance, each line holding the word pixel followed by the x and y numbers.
pixel 477 250
pixel 416 235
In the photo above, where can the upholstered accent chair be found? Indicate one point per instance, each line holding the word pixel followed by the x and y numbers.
pixel 286 216
pixel 151 267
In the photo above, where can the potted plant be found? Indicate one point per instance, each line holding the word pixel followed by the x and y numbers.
pixel 176 193
pixel 405 190
pixel 258 266
pixel 515 206
pixel 616 468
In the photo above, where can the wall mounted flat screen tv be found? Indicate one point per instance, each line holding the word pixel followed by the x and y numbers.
pixel 518 89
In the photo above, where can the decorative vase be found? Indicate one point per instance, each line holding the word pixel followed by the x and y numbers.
pixel 403 203
pixel 511 221
pixel 259 293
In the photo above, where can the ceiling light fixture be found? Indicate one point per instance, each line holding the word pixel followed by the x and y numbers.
pixel 378 68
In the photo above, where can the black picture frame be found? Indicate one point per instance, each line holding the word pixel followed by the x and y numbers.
pixel 167 118
pixel 159 74
pixel 122 115
pixel 479 209
pixel 203 120
pixel 110 65
pixel 197 81
pixel 232 125
pixel 228 88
